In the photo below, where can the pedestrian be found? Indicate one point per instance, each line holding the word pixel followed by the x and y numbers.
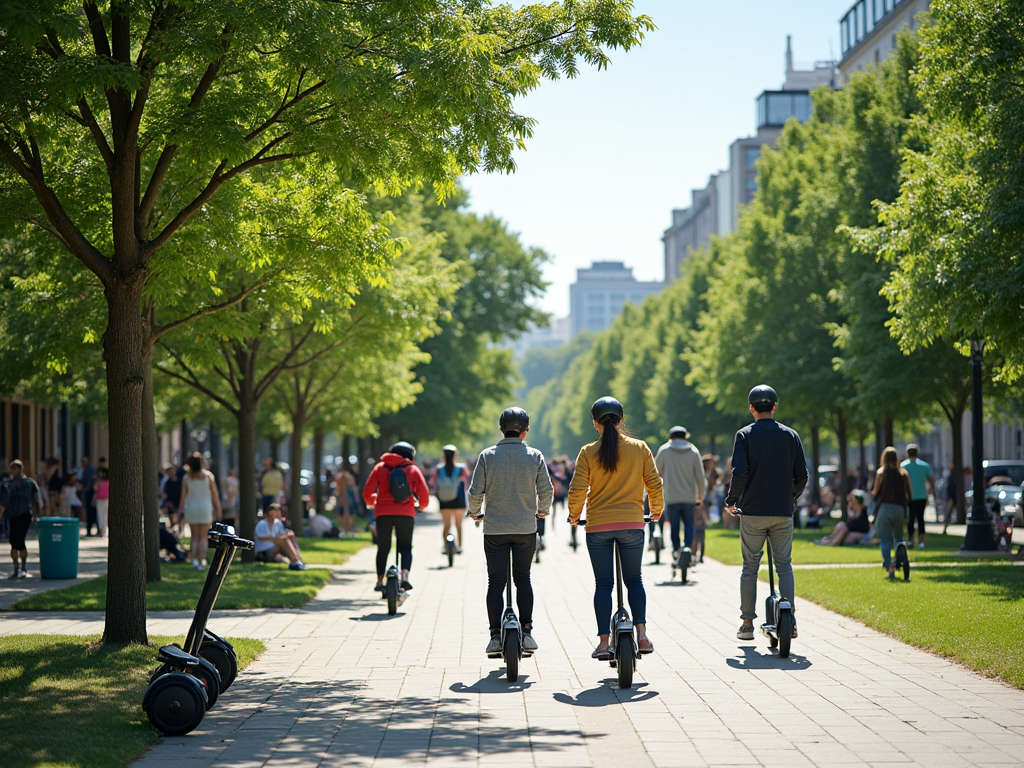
pixel 85 478
pixel 171 495
pixel 701 521
pixel 950 493
pixel 612 474
pixel 893 491
pixel 52 484
pixel 19 502
pixel 200 504
pixel 101 496
pixel 448 482
pixel 392 513
pixel 769 472
pixel 231 495
pixel 70 503
pixel 684 484
pixel 921 479
pixel 345 502
pixel 271 483
pixel 513 480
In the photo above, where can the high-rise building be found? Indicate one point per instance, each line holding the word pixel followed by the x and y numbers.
pixel 867 32
pixel 715 209
pixel 600 292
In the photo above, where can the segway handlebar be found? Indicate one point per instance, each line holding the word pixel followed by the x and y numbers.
pixel 221 534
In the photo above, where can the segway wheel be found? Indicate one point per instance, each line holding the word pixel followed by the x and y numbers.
pixel 511 651
pixel 391 591
pixel 785 633
pixel 224 660
pixel 451 554
pixel 174 704
pixel 210 677
pixel 625 660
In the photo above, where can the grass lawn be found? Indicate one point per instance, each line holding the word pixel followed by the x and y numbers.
pixel 970 613
pixel 66 702
pixel 724 545
pixel 332 551
pixel 247 586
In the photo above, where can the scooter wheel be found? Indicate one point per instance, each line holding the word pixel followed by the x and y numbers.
pixel 625 660
pixel 391 591
pixel 682 574
pixel 210 677
pixel 174 704
pixel 511 651
pixel 224 660
pixel 785 633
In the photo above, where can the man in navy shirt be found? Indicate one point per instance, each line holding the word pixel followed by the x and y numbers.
pixel 768 473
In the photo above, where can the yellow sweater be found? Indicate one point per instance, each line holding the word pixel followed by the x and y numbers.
pixel 615 500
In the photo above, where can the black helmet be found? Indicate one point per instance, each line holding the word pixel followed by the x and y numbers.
pixel 606 406
pixel 404 449
pixel 762 393
pixel 514 419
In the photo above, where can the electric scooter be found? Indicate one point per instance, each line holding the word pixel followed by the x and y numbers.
pixel 393 591
pixel 778 613
pixel 449 548
pixel 902 559
pixel 190 679
pixel 622 644
pixel 657 542
pixel 573 541
pixel 512 651
pixel 682 563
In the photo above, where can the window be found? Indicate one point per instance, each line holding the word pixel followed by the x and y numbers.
pixel 750 155
pixel 617 298
pixel 751 187
pixel 595 299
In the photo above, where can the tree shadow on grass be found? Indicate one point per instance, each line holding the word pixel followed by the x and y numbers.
pixel 753 659
pixel 495 682
pixel 1000 582
pixel 606 694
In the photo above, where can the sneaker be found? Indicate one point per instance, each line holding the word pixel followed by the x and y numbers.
pixel 794 635
pixel 458 550
pixel 601 654
pixel 745 632
pixel 378 588
pixel 494 646
pixel 298 565
pixel 406 586
pixel 921 545
pixel 196 565
pixel 23 574
pixel 529 644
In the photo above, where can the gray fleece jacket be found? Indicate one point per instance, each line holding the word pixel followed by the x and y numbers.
pixel 514 480
pixel 679 464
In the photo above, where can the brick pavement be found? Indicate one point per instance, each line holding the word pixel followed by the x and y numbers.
pixel 342 684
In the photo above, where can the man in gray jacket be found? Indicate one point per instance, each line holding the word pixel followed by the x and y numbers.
pixel 678 462
pixel 514 481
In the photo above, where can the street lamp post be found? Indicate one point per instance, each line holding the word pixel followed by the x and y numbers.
pixel 980 536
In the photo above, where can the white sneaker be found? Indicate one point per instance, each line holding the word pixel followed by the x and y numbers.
pixel 921 545
pixel 196 565
pixel 745 632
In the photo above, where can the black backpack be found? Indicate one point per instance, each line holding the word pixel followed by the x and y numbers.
pixel 398 484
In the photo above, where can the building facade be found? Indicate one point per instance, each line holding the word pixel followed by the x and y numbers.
pixel 867 32
pixel 32 432
pixel 709 214
pixel 600 292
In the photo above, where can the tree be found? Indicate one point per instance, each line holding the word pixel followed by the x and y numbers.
pixel 118 124
pixel 955 234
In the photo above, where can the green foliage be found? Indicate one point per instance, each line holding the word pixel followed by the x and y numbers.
pixel 91 690
pixel 954 235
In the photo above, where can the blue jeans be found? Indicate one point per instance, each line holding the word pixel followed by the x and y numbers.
pixel 889 527
pixel 684 512
pixel 601 546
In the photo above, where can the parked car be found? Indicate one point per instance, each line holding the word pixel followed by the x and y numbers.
pixel 1005 487
pixel 828 476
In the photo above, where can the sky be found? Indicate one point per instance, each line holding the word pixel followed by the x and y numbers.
pixel 615 151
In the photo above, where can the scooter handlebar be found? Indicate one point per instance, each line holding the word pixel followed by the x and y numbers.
pixel 582 522
pixel 221 534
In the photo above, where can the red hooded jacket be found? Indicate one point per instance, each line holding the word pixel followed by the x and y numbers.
pixel 377 491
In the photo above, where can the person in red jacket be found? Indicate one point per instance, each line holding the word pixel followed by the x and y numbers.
pixel 390 514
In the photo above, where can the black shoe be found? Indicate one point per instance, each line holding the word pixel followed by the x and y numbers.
pixel 379 588
pixel 406 586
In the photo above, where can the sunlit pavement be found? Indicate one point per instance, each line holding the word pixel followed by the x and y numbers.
pixel 343 684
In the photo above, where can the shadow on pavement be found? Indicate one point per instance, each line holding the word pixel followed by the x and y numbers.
pixel 493 683
pixel 606 694
pixel 673 583
pixel 376 617
pixel 752 659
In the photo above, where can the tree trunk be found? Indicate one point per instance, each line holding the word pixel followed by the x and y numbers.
pixel 318 459
pixel 863 462
pixel 246 418
pixel 123 345
pixel 346 451
pixel 150 472
pixel 815 461
pixel 844 468
pixel 879 443
pixel 956 422
pixel 275 447
pixel 890 434
pixel 295 506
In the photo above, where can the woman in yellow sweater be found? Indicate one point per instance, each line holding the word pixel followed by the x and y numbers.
pixel 611 476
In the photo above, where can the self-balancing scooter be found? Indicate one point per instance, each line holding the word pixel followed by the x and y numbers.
pixel 573 541
pixel 779 620
pixel 511 634
pixel 902 560
pixel 622 645
pixel 657 542
pixel 682 563
pixel 190 679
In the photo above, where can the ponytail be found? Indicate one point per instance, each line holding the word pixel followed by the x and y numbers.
pixel 449 462
pixel 608 451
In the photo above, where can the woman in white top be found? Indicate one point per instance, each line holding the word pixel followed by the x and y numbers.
pixel 199 501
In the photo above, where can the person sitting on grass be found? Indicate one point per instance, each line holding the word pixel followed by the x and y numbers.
pixel 275 542
pixel 856 526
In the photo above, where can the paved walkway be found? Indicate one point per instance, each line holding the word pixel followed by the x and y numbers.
pixel 92 562
pixel 342 684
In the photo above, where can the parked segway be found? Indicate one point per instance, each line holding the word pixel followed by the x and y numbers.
pixel 622 634
pixel 778 612
pixel 681 562
pixel 902 561
pixel 190 679
pixel 449 548
pixel 512 651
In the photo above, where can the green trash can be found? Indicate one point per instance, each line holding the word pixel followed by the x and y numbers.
pixel 58 547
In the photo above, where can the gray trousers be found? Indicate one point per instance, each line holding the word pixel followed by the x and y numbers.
pixel 753 531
